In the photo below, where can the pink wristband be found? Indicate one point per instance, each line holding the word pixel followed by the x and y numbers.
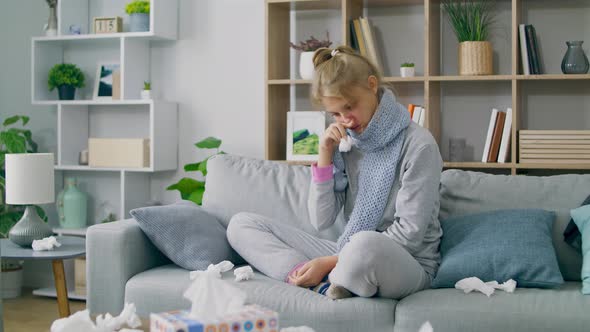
pixel 322 174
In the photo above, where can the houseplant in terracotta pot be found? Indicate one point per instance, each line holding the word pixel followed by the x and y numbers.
pixel 471 21
pixel 66 77
pixel 308 48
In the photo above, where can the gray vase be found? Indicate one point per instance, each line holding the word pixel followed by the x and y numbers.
pixel 30 227
pixel 139 22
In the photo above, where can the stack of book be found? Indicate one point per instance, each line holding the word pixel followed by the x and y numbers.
pixel 362 39
pixel 497 145
pixel 417 113
pixel 554 146
pixel 529 51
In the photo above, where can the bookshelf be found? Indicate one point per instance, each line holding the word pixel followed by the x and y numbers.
pixel 458 106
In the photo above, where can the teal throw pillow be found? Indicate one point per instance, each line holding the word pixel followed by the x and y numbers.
pixel 499 245
pixel 581 217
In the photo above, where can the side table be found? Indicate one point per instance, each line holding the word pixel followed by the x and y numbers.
pixel 71 247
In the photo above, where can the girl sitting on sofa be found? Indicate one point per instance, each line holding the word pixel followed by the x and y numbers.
pixel 387 184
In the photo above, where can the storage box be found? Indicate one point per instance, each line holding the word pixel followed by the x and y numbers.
pixel 252 318
pixel 119 152
pixel 80 276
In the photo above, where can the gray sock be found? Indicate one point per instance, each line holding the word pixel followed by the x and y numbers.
pixel 336 292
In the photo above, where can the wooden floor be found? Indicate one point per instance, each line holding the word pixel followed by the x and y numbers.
pixel 31 313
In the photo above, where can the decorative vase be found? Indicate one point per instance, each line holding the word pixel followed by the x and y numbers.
pixel 306 68
pixel 72 206
pixel 66 92
pixel 407 71
pixel 475 58
pixel 139 22
pixel 51 26
pixel 574 61
pixel 30 227
pixel 146 94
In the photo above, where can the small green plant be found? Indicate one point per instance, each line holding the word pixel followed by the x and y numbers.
pixel 65 74
pixel 408 64
pixel 13 140
pixel 138 7
pixel 312 44
pixel 191 189
pixel 147 85
pixel 471 20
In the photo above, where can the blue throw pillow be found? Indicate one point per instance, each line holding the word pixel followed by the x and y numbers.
pixel 499 245
pixel 187 234
pixel 581 217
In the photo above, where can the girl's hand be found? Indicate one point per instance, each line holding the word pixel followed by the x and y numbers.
pixel 329 141
pixel 314 271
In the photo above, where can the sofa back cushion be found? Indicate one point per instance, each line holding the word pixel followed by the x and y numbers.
pixel 274 189
pixel 467 192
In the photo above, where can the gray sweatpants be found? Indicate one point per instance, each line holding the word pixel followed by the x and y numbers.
pixel 370 264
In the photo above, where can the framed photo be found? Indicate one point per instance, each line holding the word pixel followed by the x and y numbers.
pixel 106 83
pixel 304 130
pixel 108 24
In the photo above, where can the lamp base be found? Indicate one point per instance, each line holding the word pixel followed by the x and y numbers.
pixel 30 227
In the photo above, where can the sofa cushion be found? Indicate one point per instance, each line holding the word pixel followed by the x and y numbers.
pixel 499 245
pixel 467 192
pixel 581 217
pixel 562 309
pixel 186 233
pixel 270 188
pixel 160 289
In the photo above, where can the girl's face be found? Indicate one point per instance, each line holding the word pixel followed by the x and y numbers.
pixel 356 113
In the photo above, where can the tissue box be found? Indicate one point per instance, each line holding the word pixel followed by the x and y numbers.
pixel 119 152
pixel 252 318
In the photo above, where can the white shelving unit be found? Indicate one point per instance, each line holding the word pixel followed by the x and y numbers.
pixel 130 117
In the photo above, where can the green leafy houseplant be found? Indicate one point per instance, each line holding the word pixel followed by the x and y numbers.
pixel 312 44
pixel 471 20
pixel 138 7
pixel 191 189
pixel 147 85
pixel 65 74
pixel 407 64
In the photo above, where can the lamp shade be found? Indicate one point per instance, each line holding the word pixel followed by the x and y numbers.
pixel 29 178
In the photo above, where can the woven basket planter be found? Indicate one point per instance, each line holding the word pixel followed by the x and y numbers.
pixel 475 58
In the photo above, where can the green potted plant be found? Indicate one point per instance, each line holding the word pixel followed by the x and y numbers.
pixel 66 77
pixel 471 21
pixel 308 48
pixel 407 69
pixel 146 93
pixel 13 140
pixel 191 189
pixel 139 15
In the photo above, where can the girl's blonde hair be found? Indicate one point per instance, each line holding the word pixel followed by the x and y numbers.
pixel 338 71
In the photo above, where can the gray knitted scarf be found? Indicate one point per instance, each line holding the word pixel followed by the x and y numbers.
pixel 381 143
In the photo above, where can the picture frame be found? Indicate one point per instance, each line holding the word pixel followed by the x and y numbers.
pixel 112 24
pixel 107 81
pixel 304 131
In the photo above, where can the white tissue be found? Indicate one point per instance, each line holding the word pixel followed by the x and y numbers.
pixel 470 284
pixel 244 273
pixel 298 329
pixel 80 321
pixel 45 244
pixel 212 297
pixel 345 144
pixel 426 327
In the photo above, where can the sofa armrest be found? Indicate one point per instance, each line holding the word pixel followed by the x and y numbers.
pixel 115 252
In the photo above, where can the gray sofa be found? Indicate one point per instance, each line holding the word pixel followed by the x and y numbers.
pixel 123 265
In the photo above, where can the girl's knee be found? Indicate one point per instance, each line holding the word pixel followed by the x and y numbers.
pixel 237 224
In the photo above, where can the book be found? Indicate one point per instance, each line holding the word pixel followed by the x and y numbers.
pixel 532 49
pixel 359 37
pixel 496 137
pixel 506 135
pixel 524 54
pixel 411 109
pixel 353 41
pixel 422 118
pixel 370 41
pixel 417 114
pixel 486 148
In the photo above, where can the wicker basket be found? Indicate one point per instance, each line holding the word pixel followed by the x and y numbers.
pixel 475 58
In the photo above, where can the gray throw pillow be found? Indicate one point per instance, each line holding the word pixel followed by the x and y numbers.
pixel 187 234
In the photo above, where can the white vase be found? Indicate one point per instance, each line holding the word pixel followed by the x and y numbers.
pixel 146 94
pixel 306 68
pixel 407 71
pixel 12 282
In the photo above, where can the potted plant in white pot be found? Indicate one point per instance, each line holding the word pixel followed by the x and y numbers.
pixel 407 69
pixel 66 77
pixel 308 48
pixel 471 21
pixel 139 15
pixel 13 140
pixel 146 93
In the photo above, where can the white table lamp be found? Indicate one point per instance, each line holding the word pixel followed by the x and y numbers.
pixel 29 181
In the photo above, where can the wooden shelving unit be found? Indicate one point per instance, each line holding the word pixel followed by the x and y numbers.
pixel 436 84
